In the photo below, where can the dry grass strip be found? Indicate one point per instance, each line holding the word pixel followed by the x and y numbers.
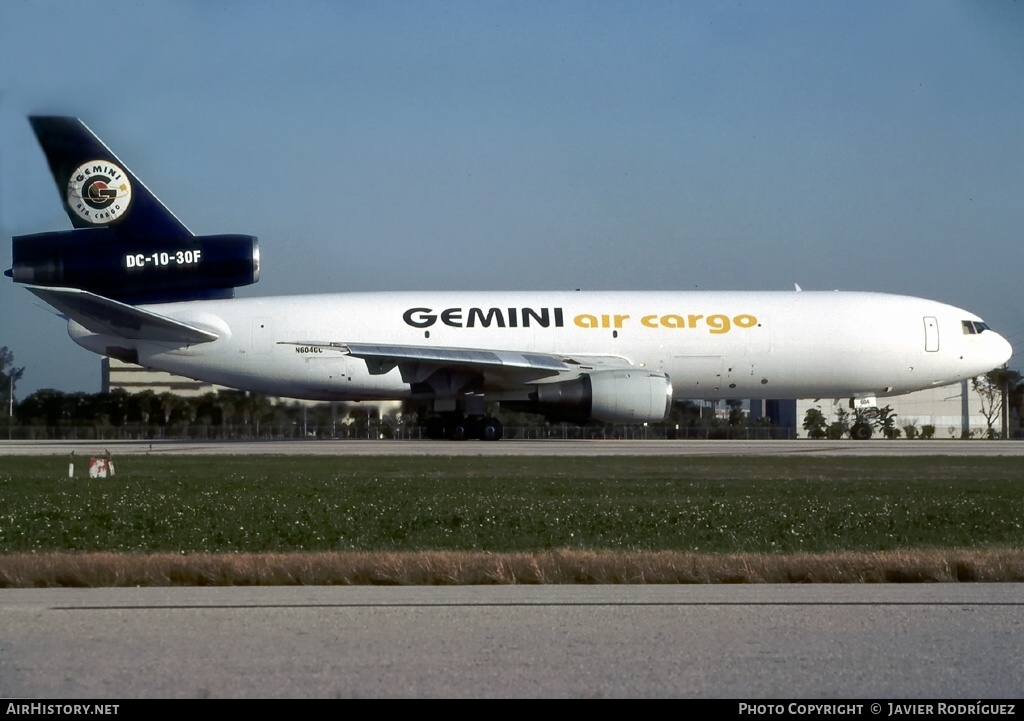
pixel 43 570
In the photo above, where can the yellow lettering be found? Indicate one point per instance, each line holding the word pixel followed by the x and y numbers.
pixel 719 323
pixel 585 320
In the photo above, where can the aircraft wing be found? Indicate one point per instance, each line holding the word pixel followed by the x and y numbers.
pixel 111 317
pixel 457 357
pixel 382 358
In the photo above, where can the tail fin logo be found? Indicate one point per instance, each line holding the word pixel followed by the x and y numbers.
pixel 99 192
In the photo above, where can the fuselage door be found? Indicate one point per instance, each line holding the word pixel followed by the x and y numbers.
pixel 262 335
pixel 931 334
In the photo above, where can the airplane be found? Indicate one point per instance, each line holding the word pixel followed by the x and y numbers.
pixel 137 285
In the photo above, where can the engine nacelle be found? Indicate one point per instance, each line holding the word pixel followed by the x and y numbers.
pixel 147 270
pixel 629 395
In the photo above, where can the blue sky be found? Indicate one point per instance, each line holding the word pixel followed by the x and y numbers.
pixel 547 145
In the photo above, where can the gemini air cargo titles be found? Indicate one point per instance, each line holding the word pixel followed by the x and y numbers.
pixel 716 323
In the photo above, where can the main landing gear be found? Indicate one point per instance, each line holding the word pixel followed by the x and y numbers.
pixel 458 427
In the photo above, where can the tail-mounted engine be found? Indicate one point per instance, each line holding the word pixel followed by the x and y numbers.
pixel 137 270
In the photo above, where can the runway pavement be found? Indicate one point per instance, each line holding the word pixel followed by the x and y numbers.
pixel 521 448
pixel 947 642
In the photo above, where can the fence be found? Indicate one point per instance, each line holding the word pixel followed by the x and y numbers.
pixel 396 431
pixel 378 431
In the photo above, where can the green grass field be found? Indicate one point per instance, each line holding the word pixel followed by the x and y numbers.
pixel 506 505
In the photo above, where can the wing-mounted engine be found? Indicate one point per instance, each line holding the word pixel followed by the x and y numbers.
pixel 627 395
pixel 137 270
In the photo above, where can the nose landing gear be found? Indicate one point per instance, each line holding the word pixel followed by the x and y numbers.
pixel 860 431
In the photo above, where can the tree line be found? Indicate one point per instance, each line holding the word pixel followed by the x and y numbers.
pixel 229 414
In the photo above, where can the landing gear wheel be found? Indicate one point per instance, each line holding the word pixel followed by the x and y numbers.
pixel 491 430
pixel 860 432
pixel 457 427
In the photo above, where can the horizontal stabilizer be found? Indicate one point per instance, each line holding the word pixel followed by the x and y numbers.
pixel 111 317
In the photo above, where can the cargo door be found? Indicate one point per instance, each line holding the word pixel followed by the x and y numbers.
pixel 931 334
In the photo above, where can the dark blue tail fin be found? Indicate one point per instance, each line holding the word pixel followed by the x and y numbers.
pixel 126 244
pixel 96 188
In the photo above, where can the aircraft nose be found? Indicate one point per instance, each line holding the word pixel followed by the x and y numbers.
pixel 1000 350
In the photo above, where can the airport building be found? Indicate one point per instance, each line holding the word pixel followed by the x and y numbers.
pixel 115 374
pixel 133 378
pixel 954 411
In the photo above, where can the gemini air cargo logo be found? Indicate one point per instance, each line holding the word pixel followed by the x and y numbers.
pixel 99 192
pixel 714 323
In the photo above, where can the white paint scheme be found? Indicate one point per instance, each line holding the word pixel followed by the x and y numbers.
pixel 376 346
pixel 803 345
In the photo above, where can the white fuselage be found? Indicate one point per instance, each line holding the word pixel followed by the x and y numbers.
pixel 711 344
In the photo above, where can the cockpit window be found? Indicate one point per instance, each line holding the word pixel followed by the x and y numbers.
pixel 973 327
